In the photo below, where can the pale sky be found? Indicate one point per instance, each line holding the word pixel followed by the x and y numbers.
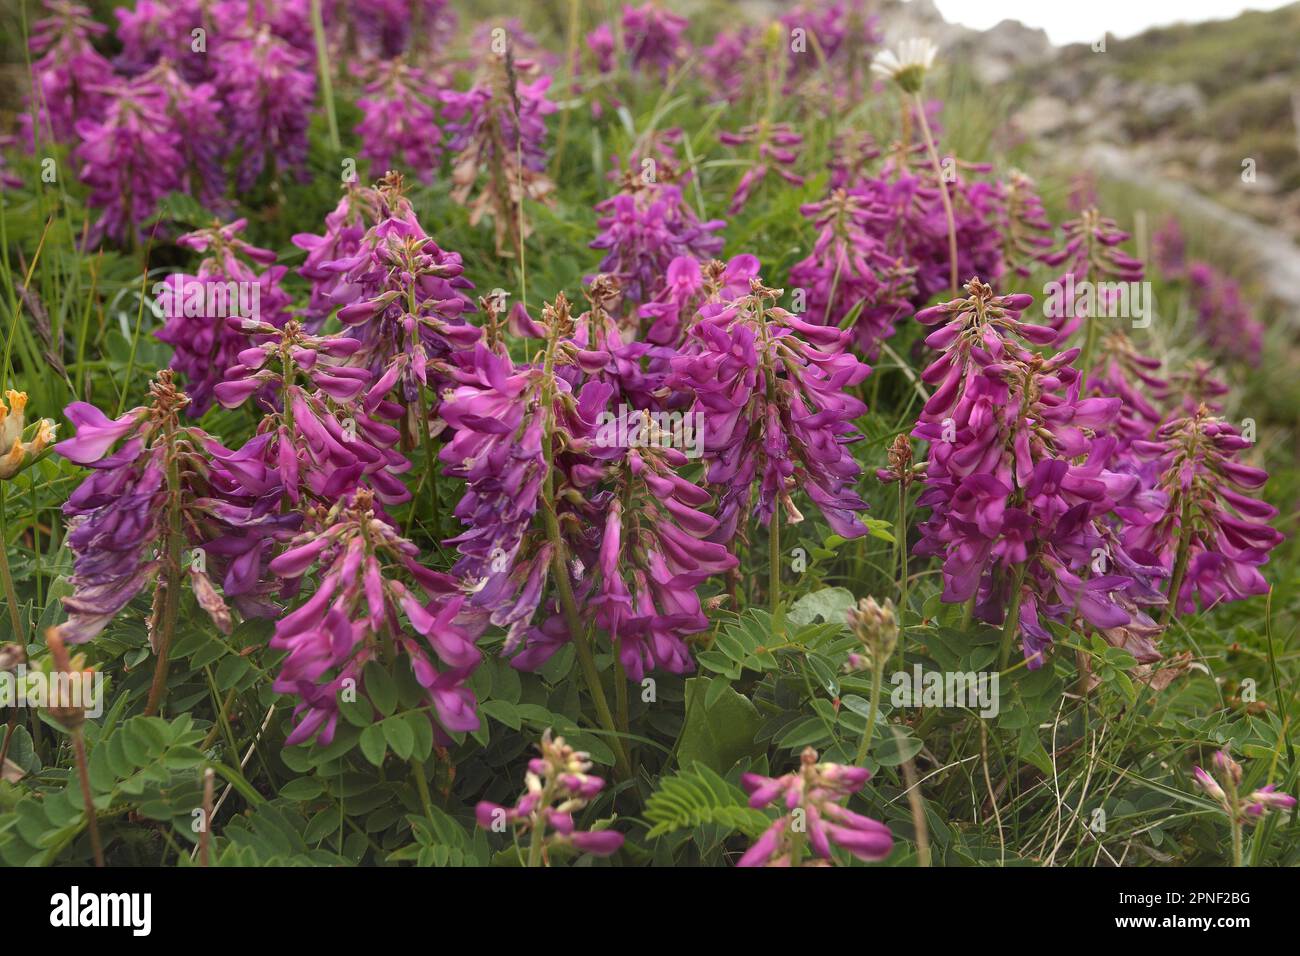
pixel 1071 22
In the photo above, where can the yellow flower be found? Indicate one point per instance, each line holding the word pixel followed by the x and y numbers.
pixel 14 452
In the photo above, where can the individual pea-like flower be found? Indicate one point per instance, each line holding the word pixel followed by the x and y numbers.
pixel 197 309
pixel 811 802
pixel 1224 785
pixel 17 451
pixel 908 65
pixel 1210 535
pixel 362 602
pixel 774 393
pixel 557 785
pixel 398 124
pixel 776 149
pixel 130 159
pixel 268 87
pixel 497 133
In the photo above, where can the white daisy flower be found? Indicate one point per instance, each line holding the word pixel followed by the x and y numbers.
pixel 908 66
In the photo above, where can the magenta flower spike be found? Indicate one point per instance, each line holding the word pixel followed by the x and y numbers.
pixel 1211 535
pixel 811 800
pixel 207 316
pixel 370 591
pixel 773 391
pixel 557 785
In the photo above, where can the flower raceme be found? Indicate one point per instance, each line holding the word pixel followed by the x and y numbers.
pixel 1210 534
pixel 197 308
pixel 497 133
pixel 398 120
pixel 363 609
pixel 1016 479
pixel 557 785
pixel 161 485
pixel 811 800
pixel 323 440
pixel 774 392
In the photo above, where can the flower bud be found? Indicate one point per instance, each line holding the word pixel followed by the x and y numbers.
pixel 876 627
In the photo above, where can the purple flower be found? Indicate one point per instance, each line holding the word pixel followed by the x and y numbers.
pixel 197 308
pixel 323 439
pixel 774 395
pixel 1226 321
pixel 816 793
pixel 71 80
pixel 557 785
pixel 119 516
pixel 497 131
pixel 850 269
pixel 1091 254
pixel 652 36
pixel 1013 512
pixel 267 87
pixel 362 599
pixel 644 228
pixel 776 148
pixel 130 160
pixel 1209 534
pixel 360 209
pixel 398 121
pixel 654 554
pixel 402 298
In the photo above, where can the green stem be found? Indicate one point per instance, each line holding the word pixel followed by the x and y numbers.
pixel 323 68
pixel 422 787
pixel 1180 564
pixel 560 571
pixel 873 708
pixel 1012 623
pixel 943 190
pixel 88 800
pixel 774 569
pixel 900 537
pixel 6 578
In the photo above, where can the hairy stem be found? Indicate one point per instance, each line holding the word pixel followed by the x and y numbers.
pixel 943 190
pixel 88 800
pixel 172 582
